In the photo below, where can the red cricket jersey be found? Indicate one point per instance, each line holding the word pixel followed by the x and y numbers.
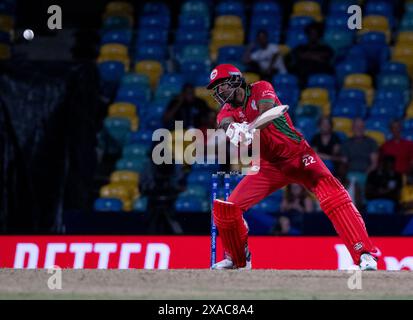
pixel 279 140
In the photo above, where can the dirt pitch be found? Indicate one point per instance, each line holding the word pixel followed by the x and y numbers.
pixel 204 284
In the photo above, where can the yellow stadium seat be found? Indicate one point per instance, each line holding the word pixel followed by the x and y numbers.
pixel 5 52
pixel 251 77
pixel 405 38
pixel 409 110
pixel 363 82
pixel 376 23
pixel 114 48
pixel 284 49
pixel 378 136
pixel 118 191
pixel 119 6
pixel 122 109
pixel 317 97
pixel 343 125
pixel 129 179
pixel 153 69
pixel 204 93
pixel 307 8
pixel 115 57
pixel 358 80
pixel 127 110
pixel 404 54
pixel 6 23
pixel 228 22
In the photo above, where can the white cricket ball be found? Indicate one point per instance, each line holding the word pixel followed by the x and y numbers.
pixel 28 34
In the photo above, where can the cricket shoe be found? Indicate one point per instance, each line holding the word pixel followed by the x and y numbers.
pixel 368 262
pixel 228 264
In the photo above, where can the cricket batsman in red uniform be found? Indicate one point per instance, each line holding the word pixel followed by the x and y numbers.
pixel 285 157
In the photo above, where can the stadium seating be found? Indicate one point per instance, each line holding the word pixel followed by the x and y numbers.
pixel 380 206
pixel 371 80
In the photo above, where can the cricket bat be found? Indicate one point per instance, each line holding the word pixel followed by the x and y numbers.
pixel 268 116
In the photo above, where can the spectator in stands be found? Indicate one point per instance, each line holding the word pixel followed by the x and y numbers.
pixel 263 57
pixel 360 152
pixel 406 197
pixel 350 183
pixel 296 200
pixel 283 227
pixel 384 182
pixel 401 149
pixel 313 57
pixel 327 143
pixel 187 108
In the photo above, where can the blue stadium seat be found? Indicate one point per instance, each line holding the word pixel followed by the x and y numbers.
pixel 160 22
pixel 347 67
pixel 213 167
pixel 381 8
pixel 135 150
pixel 192 69
pixel 355 96
pixel 307 126
pixel 195 53
pixel 392 67
pixel 326 81
pixel 266 7
pixel 186 37
pixel 141 136
pixel 117 130
pixel 274 35
pixel 151 52
pixel 375 49
pixel 230 53
pixel 152 36
pixel 337 22
pixel 195 7
pixel 265 21
pixel 140 204
pixel 111 71
pixel 195 190
pixel 393 81
pixel 385 111
pixel 192 22
pixel 380 206
pixel 348 109
pixel 201 79
pixel 407 23
pixel 338 40
pixel 167 91
pixel 117 36
pixel 267 205
pixel 108 205
pixel 339 7
pixel 378 124
pixel 176 79
pixel 132 164
pixel 156 8
pixel 135 79
pixel 132 94
pixel 408 124
pixel 288 96
pixel 233 8
pixel 199 177
pixel 287 79
pixel 299 23
pixel 296 38
pixel 116 23
pixel 192 204
pixel 309 111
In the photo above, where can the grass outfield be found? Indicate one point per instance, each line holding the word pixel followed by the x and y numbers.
pixel 204 284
